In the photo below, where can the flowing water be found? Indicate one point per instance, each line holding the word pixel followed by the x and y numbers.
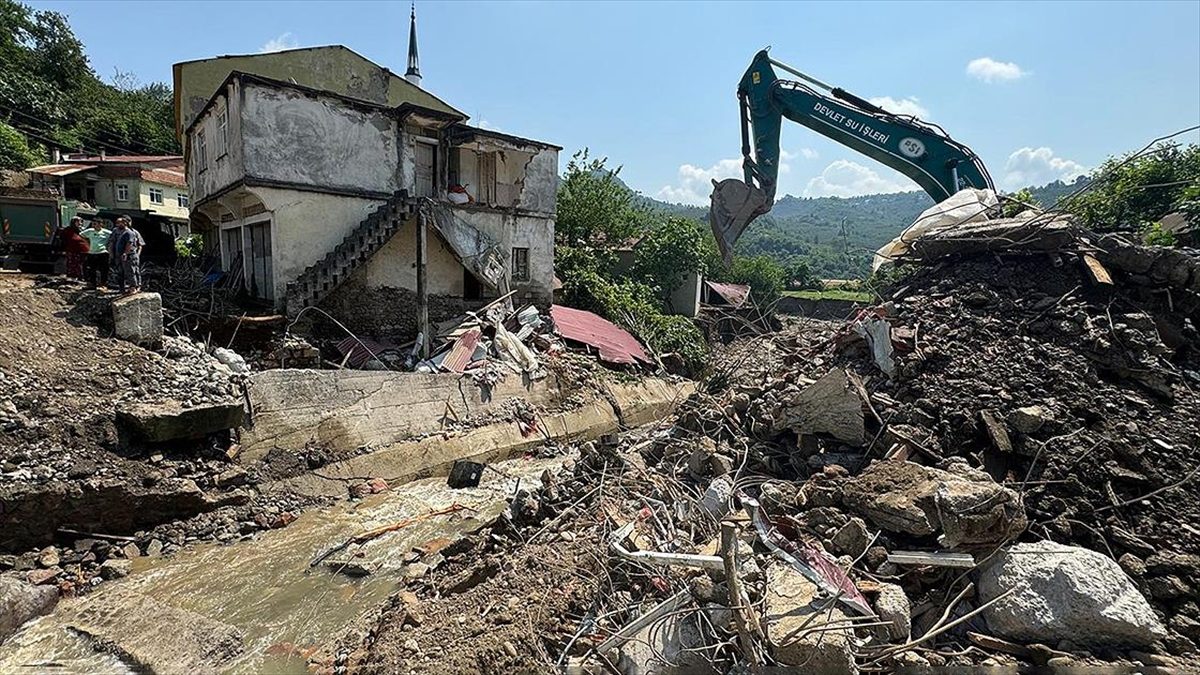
pixel 265 587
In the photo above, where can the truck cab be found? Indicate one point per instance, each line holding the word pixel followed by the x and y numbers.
pixel 29 220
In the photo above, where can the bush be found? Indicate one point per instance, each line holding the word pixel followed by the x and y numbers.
pixel 1018 202
pixel 1153 234
pixel 1127 193
pixel 191 246
pixel 764 276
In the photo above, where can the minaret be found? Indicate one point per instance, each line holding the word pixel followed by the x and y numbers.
pixel 414 70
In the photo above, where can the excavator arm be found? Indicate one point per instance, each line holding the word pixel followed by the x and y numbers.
pixel 921 151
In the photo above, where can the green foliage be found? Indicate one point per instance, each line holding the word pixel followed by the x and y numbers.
pixel 764 276
pixel 1019 201
pixel 1153 234
pixel 1189 204
pixel 799 275
pixel 1129 192
pixel 49 91
pixel 668 253
pixel 191 246
pixel 596 214
pixel 15 152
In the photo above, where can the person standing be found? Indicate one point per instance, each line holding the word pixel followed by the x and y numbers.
pixel 76 248
pixel 128 249
pixel 97 263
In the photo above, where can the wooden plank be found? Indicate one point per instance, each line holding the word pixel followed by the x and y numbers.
pixel 1096 270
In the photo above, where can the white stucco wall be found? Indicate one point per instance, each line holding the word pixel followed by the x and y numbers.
pixel 394 265
pixel 221 169
pixel 541 182
pixel 320 141
pixel 306 226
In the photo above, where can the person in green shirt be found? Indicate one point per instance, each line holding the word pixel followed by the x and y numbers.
pixel 98 261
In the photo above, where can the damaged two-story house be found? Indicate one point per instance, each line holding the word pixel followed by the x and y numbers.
pixel 315 197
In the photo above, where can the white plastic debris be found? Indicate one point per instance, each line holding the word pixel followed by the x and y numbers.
pixel 966 206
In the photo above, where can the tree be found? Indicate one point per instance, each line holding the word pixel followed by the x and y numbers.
pixel 15 153
pixel 668 253
pixel 1129 192
pixel 594 207
pixel 1020 201
pixel 799 275
pixel 764 276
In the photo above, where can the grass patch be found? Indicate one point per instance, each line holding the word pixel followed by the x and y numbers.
pixel 832 294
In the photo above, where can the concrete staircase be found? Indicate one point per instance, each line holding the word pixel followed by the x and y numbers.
pixel 320 279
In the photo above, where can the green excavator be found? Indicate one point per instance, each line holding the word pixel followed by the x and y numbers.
pixel 919 150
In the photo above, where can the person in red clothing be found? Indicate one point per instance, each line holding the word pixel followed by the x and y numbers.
pixel 76 247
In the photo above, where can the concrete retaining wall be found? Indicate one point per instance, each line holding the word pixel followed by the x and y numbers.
pixel 624 405
pixel 344 410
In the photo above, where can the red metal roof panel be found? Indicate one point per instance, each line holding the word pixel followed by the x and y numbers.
pixel 614 343
pixel 734 294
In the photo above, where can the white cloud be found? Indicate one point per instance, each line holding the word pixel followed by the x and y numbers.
pixel 990 70
pixel 694 184
pixel 279 43
pixel 909 105
pixel 844 178
pixel 485 124
pixel 1037 166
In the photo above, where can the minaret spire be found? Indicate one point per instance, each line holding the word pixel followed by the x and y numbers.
pixel 414 69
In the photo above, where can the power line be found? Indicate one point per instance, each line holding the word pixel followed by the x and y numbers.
pixel 100 144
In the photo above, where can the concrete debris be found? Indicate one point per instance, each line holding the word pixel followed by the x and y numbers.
pixel 157 423
pixel 1065 593
pixel 920 500
pixel 139 319
pixel 831 405
pixel 807 629
pixel 893 608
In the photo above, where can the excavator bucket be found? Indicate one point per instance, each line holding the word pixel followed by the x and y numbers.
pixel 734 205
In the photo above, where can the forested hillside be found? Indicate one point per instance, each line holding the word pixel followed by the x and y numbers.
pixel 837 236
pixel 50 96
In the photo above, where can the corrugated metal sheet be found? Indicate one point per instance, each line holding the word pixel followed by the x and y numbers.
pixel 462 351
pixel 60 170
pixel 360 350
pixel 614 343
pixel 735 294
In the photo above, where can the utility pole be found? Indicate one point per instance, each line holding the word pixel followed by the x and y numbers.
pixel 422 288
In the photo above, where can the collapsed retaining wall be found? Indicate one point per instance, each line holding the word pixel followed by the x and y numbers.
pixel 621 405
pixel 343 410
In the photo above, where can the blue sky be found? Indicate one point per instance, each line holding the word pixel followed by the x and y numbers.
pixel 1039 91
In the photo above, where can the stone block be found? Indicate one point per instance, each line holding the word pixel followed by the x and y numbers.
pixel 139 319
pixel 806 630
pixel 158 422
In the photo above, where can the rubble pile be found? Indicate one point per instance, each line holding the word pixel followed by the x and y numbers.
pixel 992 468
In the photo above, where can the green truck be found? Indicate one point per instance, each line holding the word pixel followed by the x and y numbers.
pixel 28 222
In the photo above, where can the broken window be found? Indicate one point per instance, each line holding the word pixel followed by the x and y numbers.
pixel 487 178
pixel 426 155
pixel 222 133
pixel 201 152
pixel 520 264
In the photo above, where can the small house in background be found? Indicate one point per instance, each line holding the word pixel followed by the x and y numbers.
pixel 683 300
pixel 150 189
pixel 311 170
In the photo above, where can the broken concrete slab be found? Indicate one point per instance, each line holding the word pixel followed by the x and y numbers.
pixel 155 636
pixel 893 607
pixel 21 602
pixel 969 510
pixel 806 630
pixel 1001 234
pixel 159 422
pixel 1065 593
pixel 138 319
pixel 831 405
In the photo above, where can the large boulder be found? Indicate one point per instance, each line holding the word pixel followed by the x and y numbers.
pixel 967 507
pixel 20 602
pixel 139 319
pixel 1065 593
